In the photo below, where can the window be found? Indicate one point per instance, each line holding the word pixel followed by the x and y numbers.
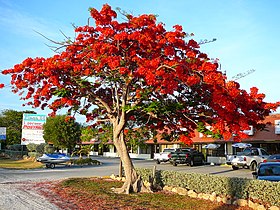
pixel 269 170
pixel 264 152
pixel 254 152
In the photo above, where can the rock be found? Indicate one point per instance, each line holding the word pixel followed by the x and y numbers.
pixel 190 191
pixel 240 202
pixel 174 189
pixel 213 197
pixel 182 191
pixel 226 200
pixel 252 205
pixel 200 195
pixel 167 188
pixel 119 178
pixel 205 196
pixel 219 199
pixel 274 208
pixel 147 184
pixel 260 207
pixel 192 194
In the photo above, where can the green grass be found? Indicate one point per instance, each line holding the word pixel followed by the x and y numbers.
pixel 95 190
pixel 19 164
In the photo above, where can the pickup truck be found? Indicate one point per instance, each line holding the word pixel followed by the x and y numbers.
pixel 187 156
pixel 249 158
pixel 163 156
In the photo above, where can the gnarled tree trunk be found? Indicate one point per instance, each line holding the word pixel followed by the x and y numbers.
pixel 133 182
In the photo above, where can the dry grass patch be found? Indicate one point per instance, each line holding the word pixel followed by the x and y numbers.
pixel 20 164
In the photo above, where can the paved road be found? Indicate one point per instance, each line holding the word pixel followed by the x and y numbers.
pixel 110 166
pixel 16 195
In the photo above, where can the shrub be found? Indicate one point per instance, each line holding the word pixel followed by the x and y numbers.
pixel 31 147
pixel 40 148
pixel 86 161
pixel 49 149
pixel 240 188
pixel 34 154
pixel 15 147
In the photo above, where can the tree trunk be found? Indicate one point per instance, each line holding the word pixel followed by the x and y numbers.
pixel 121 169
pixel 133 182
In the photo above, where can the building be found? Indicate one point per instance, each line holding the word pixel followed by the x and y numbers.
pixel 269 139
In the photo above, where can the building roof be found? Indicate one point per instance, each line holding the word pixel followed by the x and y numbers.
pixel 266 135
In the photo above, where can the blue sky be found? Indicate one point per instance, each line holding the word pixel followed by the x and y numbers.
pixel 247 33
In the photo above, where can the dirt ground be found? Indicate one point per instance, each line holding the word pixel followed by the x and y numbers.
pixel 23 196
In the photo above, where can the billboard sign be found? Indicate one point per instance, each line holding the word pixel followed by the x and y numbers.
pixel 32 128
pixel 2 133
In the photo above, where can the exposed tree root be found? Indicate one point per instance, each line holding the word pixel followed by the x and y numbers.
pixel 133 187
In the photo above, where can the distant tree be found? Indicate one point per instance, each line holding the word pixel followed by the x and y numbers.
pixel 49 148
pixel 12 120
pixel 136 137
pixel 62 131
pixel 88 133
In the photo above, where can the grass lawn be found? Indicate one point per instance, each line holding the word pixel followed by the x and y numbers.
pixel 20 164
pixel 96 193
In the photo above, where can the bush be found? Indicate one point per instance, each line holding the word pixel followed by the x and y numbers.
pixel 34 154
pixel 31 147
pixel 240 188
pixel 40 148
pixel 15 147
pixel 86 161
pixel 49 149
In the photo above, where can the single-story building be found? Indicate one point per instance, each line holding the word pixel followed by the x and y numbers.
pixel 269 139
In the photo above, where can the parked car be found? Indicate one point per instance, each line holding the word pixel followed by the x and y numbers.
pixel 187 156
pixel 273 158
pixel 249 158
pixel 268 171
pixel 163 156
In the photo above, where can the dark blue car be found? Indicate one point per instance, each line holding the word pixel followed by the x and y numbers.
pixel 268 171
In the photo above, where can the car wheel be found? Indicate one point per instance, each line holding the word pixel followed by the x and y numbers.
pixel 235 167
pixel 174 164
pixel 191 163
pixel 52 165
pixel 253 166
pixel 158 162
pixel 202 162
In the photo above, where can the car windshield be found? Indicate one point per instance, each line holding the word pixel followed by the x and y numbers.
pixel 186 150
pixel 246 151
pixel 269 170
pixel 168 150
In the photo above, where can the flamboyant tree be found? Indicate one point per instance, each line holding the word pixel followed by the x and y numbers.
pixel 136 70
